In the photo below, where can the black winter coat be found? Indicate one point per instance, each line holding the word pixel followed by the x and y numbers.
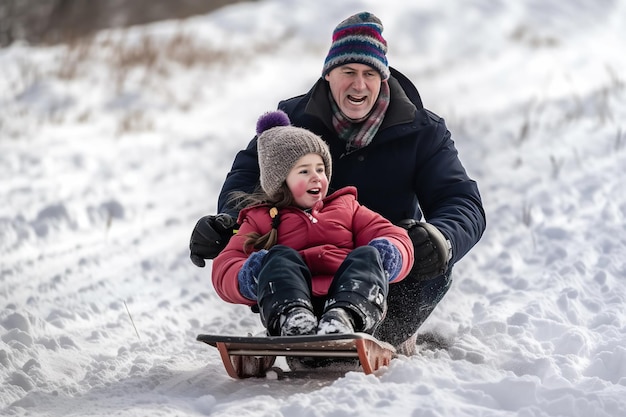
pixel 411 163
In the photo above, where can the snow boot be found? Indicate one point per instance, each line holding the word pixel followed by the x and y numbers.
pixel 297 321
pixel 407 347
pixel 284 293
pixel 336 320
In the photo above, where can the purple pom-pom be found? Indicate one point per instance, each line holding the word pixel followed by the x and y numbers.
pixel 272 119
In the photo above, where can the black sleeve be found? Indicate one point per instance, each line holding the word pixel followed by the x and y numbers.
pixel 243 176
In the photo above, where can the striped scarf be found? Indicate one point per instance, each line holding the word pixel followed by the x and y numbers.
pixel 359 135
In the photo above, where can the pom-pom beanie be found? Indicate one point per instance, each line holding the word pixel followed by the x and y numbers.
pixel 280 145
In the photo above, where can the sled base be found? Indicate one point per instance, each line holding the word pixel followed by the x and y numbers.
pixel 253 356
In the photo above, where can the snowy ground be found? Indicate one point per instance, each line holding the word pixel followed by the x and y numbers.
pixel 111 150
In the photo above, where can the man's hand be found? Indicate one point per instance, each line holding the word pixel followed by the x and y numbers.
pixel 210 236
pixel 432 250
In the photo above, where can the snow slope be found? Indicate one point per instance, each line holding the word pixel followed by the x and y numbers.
pixel 111 150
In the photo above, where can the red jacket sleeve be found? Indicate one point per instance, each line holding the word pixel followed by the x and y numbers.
pixel 369 225
pixel 227 264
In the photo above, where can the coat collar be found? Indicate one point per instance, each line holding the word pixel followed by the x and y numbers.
pixel 344 191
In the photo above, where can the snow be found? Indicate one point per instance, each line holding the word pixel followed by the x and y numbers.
pixel 110 151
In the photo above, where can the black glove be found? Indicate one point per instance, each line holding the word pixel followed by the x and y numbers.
pixel 432 250
pixel 210 236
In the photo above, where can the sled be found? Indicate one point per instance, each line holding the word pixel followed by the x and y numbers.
pixel 254 356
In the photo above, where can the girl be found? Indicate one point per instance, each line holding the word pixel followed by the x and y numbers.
pixel 308 262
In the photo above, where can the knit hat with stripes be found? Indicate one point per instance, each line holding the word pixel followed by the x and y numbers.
pixel 358 39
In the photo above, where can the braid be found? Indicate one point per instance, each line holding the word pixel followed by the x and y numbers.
pixel 283 198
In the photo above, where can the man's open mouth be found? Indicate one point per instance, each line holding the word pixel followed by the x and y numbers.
pixel 356 100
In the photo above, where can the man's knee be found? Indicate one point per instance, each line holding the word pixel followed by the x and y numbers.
pixel 410 303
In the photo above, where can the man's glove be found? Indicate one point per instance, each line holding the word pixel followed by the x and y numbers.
pixel 248 276
pixel 432 250
pixel 210 236
pixel 390 256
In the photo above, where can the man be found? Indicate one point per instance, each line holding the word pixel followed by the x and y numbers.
pixel 400 157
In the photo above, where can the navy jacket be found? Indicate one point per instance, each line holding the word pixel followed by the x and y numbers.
pixel 411 163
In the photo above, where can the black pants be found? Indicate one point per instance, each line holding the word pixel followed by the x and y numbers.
pixel 360 285
pixel 410 303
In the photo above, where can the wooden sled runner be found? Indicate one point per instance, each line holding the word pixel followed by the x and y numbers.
pixel 253 356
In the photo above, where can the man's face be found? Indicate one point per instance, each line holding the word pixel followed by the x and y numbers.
pixel 355 88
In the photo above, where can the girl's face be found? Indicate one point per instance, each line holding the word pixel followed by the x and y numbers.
pixel 307 180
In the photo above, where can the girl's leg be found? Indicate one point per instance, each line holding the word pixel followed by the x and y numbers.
pixel 360 288
pixel 284 293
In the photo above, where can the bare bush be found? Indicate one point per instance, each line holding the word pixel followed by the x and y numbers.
pixel 53 21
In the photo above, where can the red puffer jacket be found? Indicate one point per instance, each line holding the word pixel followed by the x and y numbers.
pixel 324 237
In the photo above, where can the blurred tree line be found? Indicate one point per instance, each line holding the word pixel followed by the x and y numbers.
pixel 53 21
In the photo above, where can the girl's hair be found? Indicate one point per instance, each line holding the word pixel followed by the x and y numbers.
pixel 281 199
